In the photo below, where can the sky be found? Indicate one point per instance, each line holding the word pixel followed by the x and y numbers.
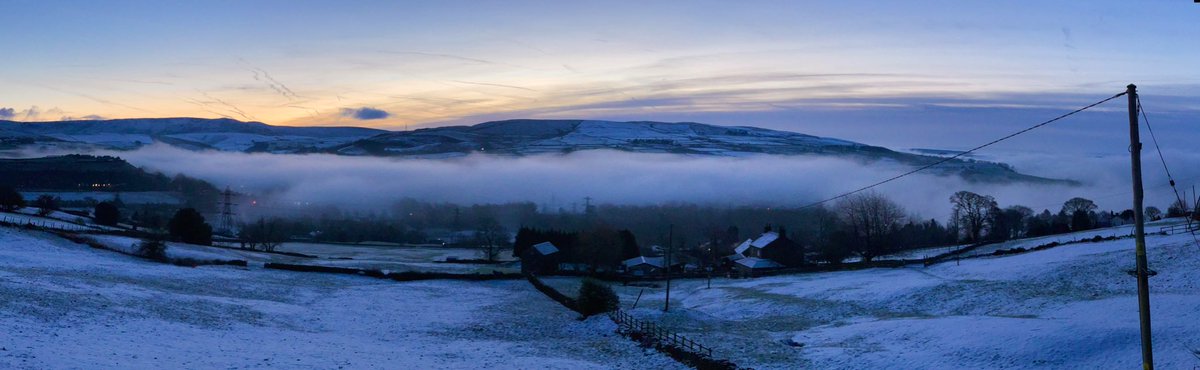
pixel 907 74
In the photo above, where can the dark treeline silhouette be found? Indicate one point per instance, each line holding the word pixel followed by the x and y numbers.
pixel 80 172
pixel 864 225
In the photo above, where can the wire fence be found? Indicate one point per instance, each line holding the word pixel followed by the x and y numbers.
pixel 43 224
pixel 659 334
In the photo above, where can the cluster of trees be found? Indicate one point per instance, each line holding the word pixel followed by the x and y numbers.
pixel 866 225
pixel 981 219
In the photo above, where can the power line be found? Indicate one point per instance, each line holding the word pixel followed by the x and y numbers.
pixel 1170 179
pixel 956 156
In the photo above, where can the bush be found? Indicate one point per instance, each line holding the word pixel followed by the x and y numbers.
pixel 10 199
pixel 596 298
pixel 107 214
pixel 153 248
pixel 189 227
pixel 46 204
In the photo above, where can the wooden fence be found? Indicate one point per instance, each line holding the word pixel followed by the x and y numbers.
pixel 658 334
pixel 1188 227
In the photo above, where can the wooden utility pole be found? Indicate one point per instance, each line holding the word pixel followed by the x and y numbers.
pixel 670 248
pixel 1139 230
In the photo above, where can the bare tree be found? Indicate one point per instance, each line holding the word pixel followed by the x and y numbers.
pixel 871 219
pixel 491 237
pixel 264 235
pixel 1078 204
pixel 971 212
pixel 1152 213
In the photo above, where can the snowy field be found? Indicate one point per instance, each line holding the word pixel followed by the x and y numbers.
pixel 64 305
pixel 400 258
pixel 1069 307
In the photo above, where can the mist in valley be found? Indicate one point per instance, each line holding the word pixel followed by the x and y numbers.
pixel 561 182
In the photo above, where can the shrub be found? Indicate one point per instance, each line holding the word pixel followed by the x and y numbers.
pixel 10 199
pixel 107 214
pixel 189 227
pixel 596 298
pixel 153 248
pixel 46 204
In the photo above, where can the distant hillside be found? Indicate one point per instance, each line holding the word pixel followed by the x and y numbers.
pixel 86 173
pixel 527 137
pixel 78 173
pixel 508 138
pixel 189 133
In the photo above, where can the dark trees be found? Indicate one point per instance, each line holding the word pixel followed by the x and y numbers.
pixel 10 199
pixel 264 235
pixel 491 237
pixel 47 204
pixel 189 227
pixel 1151 213
pixel 870 220
pixel 971 212
pixel 1178 208
pixel 107 214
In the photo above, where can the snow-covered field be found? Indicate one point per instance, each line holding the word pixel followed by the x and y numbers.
pixel 64 305
pixel 399 258
pixel 1069 307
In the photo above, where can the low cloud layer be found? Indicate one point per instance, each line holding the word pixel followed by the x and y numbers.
pixel 629 178
pixel 365 113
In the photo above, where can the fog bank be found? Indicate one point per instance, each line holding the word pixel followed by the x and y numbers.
pixel 558 181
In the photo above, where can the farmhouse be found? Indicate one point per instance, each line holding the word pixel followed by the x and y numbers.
pixel 771 249
pixel 641 265
pixel 540 258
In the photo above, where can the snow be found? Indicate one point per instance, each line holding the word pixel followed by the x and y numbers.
pixel 764 239
pixel 64 305
pixel 1073 306
pixel 741 248
pixel 545 248
pixel 643 260
pixel 757 263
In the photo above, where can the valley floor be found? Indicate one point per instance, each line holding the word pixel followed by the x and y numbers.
pixel 65 305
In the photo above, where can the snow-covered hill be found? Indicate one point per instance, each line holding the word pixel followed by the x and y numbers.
pixel 191 133
pixel 529 137
pixel 508 138
pixel 1070 307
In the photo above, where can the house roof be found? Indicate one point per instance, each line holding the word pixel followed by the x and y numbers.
pixel 735 257
pixel 545 248
pixel 758 263
pixel 764 239
pixel 642 260
pixel 741 248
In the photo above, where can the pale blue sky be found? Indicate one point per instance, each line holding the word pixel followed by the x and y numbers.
pixel 851 69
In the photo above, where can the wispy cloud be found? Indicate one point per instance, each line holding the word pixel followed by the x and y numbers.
pixel 493 85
